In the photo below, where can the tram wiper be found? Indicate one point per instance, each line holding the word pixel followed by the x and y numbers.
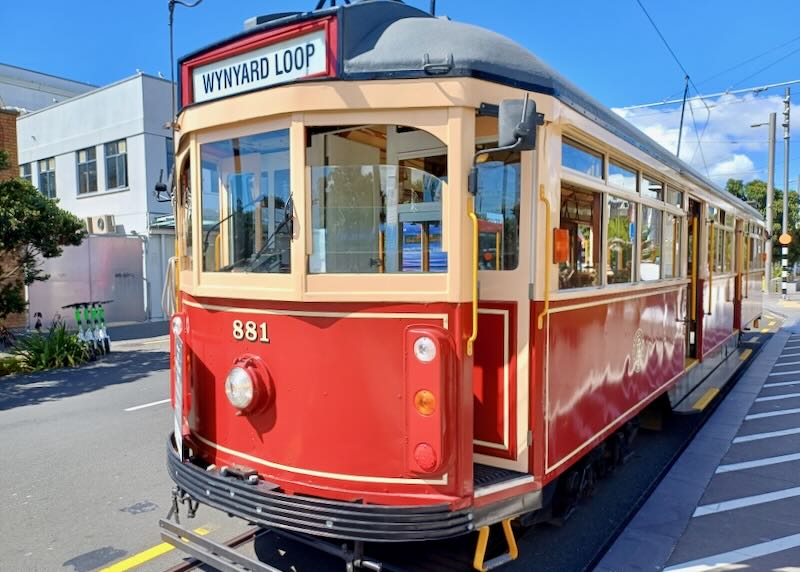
pixel 268 251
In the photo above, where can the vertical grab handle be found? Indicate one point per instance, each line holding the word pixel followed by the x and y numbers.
pixel 474 218
pixel 548 253
pixel 711 257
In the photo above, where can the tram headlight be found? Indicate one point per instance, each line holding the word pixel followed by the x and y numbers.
pixel 240 388
pixel 425 349
pixel 177 325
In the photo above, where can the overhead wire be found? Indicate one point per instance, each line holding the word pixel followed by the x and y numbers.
pixel 766 67
pixel 691 82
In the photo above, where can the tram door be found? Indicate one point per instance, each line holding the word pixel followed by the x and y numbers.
pixel 693 310
pixel 499 371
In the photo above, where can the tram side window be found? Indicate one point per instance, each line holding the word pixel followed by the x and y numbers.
pixel 580 215
pixel 650 259
pixel 672 244
pixel 246 205
pixel 376 200
pixel 186 201
pixel 497 208
pixel 579 158
pixel 621 230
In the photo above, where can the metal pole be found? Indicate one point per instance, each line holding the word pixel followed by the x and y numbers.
pixel 785 226
pixel 683 110
pixel 770 196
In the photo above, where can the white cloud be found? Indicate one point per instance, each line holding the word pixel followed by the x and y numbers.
pixel 737 164
pixel 729 146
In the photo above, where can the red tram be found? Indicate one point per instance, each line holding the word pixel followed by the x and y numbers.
pixel 424 283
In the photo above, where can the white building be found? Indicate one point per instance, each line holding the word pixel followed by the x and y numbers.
pixel 29 90
pixel 100 154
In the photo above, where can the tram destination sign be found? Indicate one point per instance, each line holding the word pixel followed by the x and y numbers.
pixel 290 60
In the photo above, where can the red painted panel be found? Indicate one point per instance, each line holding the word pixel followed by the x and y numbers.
pixel 496 343
pixel 716 312
pixel 340 397
pixel 603 364
pixel 751 305
pixel 256 41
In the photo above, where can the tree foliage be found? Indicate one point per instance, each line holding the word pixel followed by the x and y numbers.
pixel 755 192
pixel 32 227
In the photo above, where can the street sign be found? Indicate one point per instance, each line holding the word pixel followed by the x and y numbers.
pixel 785 239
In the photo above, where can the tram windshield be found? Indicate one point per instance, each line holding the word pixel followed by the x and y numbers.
pixel 376 200
pixel 246 205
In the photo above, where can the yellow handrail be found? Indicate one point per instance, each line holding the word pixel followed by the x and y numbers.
pixel 547 256
pixel 474 218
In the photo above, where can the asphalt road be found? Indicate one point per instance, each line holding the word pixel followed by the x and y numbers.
pixel 82 481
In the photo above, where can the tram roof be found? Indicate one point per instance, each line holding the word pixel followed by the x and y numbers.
pixel 387 39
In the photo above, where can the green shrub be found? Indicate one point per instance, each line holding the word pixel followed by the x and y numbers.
pixel 57 348
pixel 9 365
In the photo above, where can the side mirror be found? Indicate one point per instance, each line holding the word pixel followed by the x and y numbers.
pixel 162 190
pixel 517 121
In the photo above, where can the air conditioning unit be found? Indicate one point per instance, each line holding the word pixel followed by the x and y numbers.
pixel 102 224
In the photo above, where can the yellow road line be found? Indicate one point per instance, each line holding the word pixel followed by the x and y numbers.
pixel 745 354
pixel 772 323
pixel 703 402
pixel 147 555
pixel 764 330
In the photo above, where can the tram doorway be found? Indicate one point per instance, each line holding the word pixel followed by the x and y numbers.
pixel 500 371
pixel 693 308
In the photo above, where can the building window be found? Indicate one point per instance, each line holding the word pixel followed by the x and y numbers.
pixel 25 172
pixel 675 198
pixel 621 177
pixel 170 156
pixel 621 234
pixel 116 164
pixel 47 177
pixel 87 171
pixel 650 260
pixel 581 159
pixel 580 217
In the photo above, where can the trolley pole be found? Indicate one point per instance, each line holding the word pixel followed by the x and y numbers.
pixel 787 99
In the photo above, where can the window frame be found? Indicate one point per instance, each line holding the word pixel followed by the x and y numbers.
pixel 107 157
pixel 50 175
pixel 78 171
pixel 26 176
pixel 586 182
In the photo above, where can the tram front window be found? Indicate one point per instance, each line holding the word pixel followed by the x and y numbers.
pixel 376 200
pixel 246 205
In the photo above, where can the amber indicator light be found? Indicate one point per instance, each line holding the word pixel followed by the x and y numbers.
pixel 425 402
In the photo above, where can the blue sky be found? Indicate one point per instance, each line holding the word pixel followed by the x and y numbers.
pixel 606 47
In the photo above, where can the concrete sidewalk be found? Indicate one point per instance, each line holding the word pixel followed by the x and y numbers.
pixel 732 500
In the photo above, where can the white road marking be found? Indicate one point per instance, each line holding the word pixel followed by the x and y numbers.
pixel 725 506
pixel 716 561
pixel 767 435
pixel 789 355
pixel 787 363
pixel 138 407
pixel 758 463
pixel 781 384
pixel 771 414
pixel 777 397
pixel 785 373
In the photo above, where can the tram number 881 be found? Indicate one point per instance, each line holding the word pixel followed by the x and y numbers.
pixel 250 331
